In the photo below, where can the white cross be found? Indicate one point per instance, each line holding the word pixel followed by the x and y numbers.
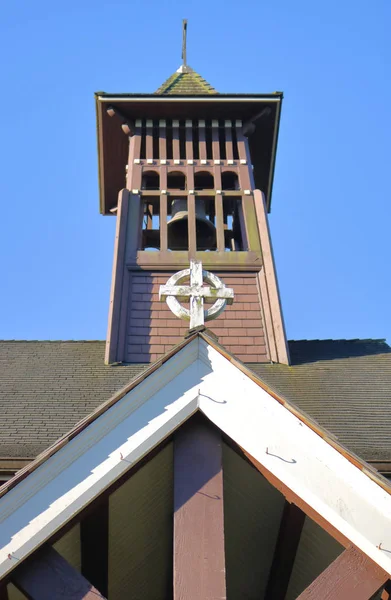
pixel 197 293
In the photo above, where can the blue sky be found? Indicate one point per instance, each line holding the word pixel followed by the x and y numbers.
pixel 330 217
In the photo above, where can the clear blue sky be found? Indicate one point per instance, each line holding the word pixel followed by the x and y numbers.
pixel 330 217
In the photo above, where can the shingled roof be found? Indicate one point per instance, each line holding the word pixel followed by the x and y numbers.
pixel 185 82
pixel 47 387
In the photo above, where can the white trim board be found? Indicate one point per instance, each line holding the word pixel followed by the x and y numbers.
pixel 198 377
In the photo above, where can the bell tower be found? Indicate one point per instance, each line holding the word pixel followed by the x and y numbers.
pixel 188 173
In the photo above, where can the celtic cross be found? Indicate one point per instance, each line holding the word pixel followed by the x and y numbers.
pixel 196 292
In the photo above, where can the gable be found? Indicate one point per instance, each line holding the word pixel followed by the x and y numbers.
pixel 287 448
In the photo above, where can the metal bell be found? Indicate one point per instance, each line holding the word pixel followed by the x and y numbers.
pixel 177 227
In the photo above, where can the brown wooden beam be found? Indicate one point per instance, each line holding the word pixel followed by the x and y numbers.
pixel 352 576
pixel 386 594
pixel 3 592
pixel 94 538
pixel 48 576
pixel 199 558
pixel 291 526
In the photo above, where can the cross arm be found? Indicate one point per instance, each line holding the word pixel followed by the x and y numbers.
pixel 184 292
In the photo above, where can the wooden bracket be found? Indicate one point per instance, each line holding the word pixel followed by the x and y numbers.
pixel 127 125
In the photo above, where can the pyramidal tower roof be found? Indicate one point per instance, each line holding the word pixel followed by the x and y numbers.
pixel 185 81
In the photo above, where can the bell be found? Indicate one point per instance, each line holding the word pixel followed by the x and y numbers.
pixel 177 227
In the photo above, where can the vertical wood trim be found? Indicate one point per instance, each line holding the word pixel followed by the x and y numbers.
pixel 219 223
pixel 176 152
pixel 149 140
pixel 228 140
pixel 117 277
pixel 189 140
pixel 163 223
pixel 123 321
pixel 250 219
pixel 267 316
pixel 94 538
pixel 191 222
pixel 271 279
pixel 133 179
pixel 199 558
pixel 288 540
pixel 244 154
pixel 162 141
pixel 3 592
pixel 48 576
pixel 202 140
pixel 215 142
pixel 351 576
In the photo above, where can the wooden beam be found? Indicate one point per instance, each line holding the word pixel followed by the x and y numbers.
pixel 351 576
pixel 48 576
pixel 291 526
pixel 386 594
pixel 94 538
pixel 3 592
pixel 199 558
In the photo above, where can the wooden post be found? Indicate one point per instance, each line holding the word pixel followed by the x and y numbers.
pixel 291 526
pixel 149 140
pixel 219 223
pixel 48 576
pixel 176 151
pixel 202 140
pixel 228 140
pixel 189 139
pixel 163 223
pixel 352 576
pixel 215 141
pixel 199 558
pixel 94 537
pixel 191 222
pixel 162 140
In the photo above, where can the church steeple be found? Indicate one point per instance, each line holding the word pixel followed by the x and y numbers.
pixel 188 173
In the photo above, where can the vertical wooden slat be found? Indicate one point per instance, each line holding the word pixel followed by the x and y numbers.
pixel 162 140
pixel 3 592
pixel 219 223
pixel 94 537
pixel 246 177
pixel 192 225
pixel 199 559
pixel 202 139
pixel 133 179
pixel 163 223
pixel 48 576
pixel 352 576
pixel 215 141
pixel 291 526
pixel 149 139
pixel 117 279
pixel 176 152
pixel 189 139
pixel 228 140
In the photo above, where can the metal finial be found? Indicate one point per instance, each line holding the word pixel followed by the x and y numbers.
pixel 184 36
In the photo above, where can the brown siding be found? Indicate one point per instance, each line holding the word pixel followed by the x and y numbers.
pixel 153 329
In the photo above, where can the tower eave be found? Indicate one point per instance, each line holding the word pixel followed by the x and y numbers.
pixel 113 143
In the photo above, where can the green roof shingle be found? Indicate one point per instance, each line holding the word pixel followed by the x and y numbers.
pixel 186 83
pixel 47 387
